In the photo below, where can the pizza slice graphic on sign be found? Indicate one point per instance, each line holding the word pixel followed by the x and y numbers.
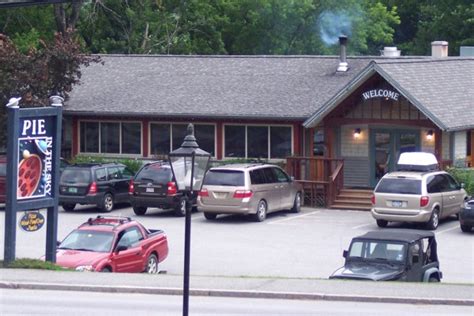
pixel 29 175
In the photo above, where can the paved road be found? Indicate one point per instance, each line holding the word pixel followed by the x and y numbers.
pixel 305 245
pixel 27 302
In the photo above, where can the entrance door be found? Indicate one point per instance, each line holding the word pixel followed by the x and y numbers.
pixel 386 145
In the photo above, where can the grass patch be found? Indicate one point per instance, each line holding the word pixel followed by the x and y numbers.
pixel 26 263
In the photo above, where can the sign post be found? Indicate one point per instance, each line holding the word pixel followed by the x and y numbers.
pixel 34 145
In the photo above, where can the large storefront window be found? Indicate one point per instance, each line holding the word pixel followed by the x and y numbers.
pixel 257 142
pixel 167 137
pixel 110 137
pixel 160 139
pixel 234 141
pixel 280 141
pixel 263 142
pixel 89 137
pixel 131 138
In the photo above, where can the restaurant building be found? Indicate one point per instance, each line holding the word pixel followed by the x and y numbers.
pixel 336 122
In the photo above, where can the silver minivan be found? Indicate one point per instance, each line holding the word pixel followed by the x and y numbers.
pixel 417 193
pixel 255 189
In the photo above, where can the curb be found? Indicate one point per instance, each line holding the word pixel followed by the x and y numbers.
pixel 236 293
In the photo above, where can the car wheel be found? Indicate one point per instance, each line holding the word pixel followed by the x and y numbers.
pixel 382 223
pixel 180 208
pixel 434 220
pixel 107 203
pixel 106 269
pixel 152 264
pixel 139 210
pixel 297 203
pixel 466 228
pixel 210 216
pixel 261 211
pixel 433 279
pixel 69 207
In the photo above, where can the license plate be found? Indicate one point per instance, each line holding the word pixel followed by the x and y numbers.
pixel 72 190
pixel 397 203
pixel 150 190
pixel 220 195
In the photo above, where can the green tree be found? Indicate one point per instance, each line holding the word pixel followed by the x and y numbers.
pixel 52 67
pixel 425 21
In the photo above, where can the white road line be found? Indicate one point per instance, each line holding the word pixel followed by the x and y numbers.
pixel 293 217
pixel 360 226
pixel 447 229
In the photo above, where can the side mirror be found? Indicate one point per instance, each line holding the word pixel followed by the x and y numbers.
pixel 58 242
pixel 292 178
pixel 345 253
pixel 121 248
pixel 462 185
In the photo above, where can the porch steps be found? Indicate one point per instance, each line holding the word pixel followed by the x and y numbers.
pixel 353 199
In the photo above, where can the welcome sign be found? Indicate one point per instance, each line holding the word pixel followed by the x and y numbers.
pixel 381 93
pixel 35 157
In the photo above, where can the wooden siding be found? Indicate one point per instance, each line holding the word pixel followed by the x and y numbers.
pixel 356 171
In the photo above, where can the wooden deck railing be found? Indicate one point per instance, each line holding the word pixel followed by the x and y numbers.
pixel 321 178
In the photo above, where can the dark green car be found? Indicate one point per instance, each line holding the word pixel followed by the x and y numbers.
pixel 392 255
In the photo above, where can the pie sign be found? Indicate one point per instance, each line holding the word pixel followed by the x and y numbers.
pixel 32 221
pixel 35 155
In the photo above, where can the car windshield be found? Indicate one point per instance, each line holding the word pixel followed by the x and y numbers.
pixel 377 250
pixel 399 185
pixel 76 175
pixel 224 177
pixel 156 172
pixel 88 240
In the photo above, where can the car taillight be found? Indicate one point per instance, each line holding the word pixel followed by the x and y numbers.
pixel 424 200
pixel 172 190
pixel 204 193
pixel 93 188
pixel 372 199
pixel 240 194
pixel 131 187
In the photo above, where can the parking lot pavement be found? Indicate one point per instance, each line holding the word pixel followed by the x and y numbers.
pixel 287 245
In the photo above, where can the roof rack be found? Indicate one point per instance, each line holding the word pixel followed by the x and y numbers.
pixel 108 220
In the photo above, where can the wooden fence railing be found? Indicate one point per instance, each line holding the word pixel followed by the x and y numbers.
pixel 321 178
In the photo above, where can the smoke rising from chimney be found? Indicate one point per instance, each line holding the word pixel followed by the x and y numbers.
pixel 332 24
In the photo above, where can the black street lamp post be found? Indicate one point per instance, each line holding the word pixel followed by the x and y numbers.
pixel 189 164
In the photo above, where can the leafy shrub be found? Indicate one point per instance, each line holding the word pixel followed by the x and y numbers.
pixel 464 175
pixel 133 164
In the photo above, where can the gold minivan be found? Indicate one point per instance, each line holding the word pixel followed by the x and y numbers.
pixel 255 189
pixel 416 193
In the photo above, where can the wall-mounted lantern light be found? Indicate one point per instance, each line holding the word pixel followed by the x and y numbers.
pixel 357 133
pixel 429 135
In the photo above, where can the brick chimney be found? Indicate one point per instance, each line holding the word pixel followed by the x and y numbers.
pixel 439 49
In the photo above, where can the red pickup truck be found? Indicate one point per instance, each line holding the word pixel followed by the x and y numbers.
pixel 113 244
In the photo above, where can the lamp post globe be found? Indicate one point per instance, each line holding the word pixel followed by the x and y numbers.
pixel 188 164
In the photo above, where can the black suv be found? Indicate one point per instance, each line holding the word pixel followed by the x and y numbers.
pixel 153 186
pixel 101 184
pixel 392 255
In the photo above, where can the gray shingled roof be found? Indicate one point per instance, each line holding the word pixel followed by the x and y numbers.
pixel 253 87
pixel 443 89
